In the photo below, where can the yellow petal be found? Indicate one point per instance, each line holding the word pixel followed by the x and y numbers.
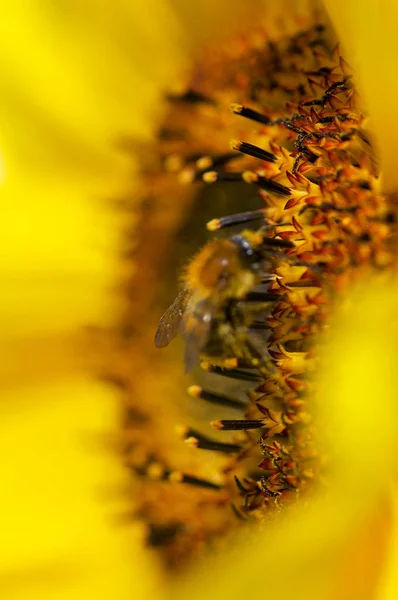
pixel 61 499
pixel 74 80
pixel 389 588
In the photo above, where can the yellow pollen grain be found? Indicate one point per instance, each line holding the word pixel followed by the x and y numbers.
pixel 235 144
pixel 192 441
pixel 155 470
pixel 213 225
pixel 186 176
pixel 210 177
pixel 230 363
pixel 204 163
pixel 249 177
pixel 194 391
pixel 176 477
pixel 181 430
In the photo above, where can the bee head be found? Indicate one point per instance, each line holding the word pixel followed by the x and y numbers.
pixel 249 254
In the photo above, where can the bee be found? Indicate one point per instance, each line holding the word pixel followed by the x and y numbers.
pixel 208 311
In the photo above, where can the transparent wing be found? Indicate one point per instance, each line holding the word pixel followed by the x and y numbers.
pixel 196 332
pixel 171 321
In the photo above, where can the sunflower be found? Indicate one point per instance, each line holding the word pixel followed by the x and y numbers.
pixel 68 121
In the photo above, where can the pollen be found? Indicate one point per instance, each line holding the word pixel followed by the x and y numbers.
pixel 274 135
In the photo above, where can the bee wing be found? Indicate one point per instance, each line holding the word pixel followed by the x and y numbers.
pixel 197 327
pixel 171 321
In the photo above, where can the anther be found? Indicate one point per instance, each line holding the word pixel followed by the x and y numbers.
pixel 237 424
pixel 206 444
pixel 245 363
pixel 195 391
pixel 204 163
pixel 237 513
pixel 277 243
pixel 239 374
pixel 252 150
pixel 240 485
pixel 213 176
pixel 236 219
pixel 249 113
pixel 157 471
pixel 192 437
pixel 266 184
pixel 178 477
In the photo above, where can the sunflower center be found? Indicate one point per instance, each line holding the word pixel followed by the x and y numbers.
pixel 267 146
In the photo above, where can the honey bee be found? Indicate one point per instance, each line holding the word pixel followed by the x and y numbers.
pixel 206 312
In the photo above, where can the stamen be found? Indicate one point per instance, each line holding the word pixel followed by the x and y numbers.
pixel 152 470
pixel 240 485
pixel 157 471
pixel 237 513
pixel 252 150
pixel 238 424
pixel 262 297
pixel 249 113
pixel 237 219
pixel 266 184
pixel 195 391
pixel 205 162
pixel 277 243
pixel 240 363
pixel 213 176
pixel 198 440
pixel 178 477
pixel 231 373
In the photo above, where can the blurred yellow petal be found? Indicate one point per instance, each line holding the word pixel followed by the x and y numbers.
pixel 58 517
pixel 74 79
pixel 93 76
pixel 369 31
pixel 389 587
